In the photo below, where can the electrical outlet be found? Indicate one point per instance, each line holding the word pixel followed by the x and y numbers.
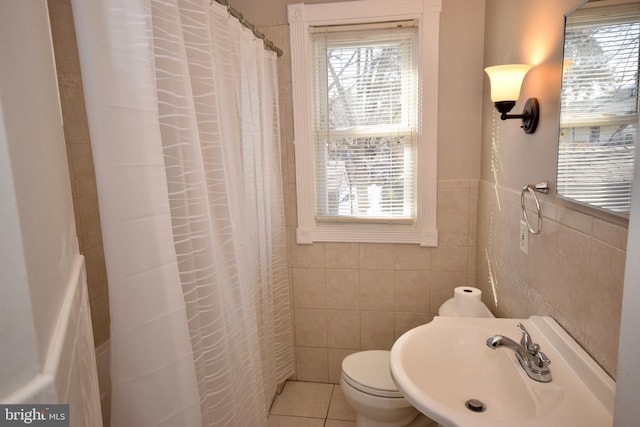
pixel 524 237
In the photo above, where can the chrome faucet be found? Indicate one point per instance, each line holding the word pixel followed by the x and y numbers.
pixel 534 362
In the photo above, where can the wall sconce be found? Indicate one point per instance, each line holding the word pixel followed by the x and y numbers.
pixel 505 91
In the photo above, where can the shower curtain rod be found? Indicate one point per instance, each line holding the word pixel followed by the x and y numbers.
pixel 267 43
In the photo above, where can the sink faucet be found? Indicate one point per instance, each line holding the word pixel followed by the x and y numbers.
pixel 534 362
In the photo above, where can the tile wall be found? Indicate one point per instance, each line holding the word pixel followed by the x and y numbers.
pixel 82 175
pixel 348 297
pixel 574 270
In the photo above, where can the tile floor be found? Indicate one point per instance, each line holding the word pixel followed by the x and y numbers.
pixel 303 404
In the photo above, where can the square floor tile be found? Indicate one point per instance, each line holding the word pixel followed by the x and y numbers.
pixel 301 399
pixel 339 409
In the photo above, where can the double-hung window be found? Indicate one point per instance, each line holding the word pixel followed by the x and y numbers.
pixel 365 102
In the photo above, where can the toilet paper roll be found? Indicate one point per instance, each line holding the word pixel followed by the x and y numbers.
pixel 467 300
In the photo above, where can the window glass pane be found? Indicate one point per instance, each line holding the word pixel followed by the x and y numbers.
pixel 364 124
pixel 367 177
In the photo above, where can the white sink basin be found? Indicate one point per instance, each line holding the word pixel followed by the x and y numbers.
pixel 439 366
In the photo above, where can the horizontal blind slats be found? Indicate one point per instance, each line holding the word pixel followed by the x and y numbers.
pixel 599 108
pixel 365 123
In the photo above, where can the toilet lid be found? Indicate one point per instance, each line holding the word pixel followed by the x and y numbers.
pixel 369 372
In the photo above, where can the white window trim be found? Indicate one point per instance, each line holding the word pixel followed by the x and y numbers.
pixel 303 16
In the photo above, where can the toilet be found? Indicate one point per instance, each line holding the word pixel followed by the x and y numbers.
pixel 366 377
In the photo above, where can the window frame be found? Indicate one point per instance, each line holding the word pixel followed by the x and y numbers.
pixel 352 37
pixel 303 16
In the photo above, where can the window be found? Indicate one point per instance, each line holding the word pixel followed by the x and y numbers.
pixel 365 103
pixel 599 108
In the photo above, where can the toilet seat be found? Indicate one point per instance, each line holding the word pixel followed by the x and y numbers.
pixel 368 371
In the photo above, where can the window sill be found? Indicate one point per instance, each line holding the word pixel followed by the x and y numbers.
pixel 367 233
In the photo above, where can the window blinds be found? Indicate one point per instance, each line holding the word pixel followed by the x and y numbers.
pixel 599 106
pixel 365 123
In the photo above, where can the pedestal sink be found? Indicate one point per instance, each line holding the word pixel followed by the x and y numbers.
pixel 446 370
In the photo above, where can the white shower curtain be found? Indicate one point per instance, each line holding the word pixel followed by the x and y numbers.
pixel 183 113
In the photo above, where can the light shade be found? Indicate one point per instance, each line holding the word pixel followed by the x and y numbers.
pixel 506 81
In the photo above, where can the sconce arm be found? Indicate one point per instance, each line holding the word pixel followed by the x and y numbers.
pixel 505 116
pixel 530 115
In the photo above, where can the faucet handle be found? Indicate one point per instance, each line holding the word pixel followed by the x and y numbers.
pixel 541 359
pixel 526 341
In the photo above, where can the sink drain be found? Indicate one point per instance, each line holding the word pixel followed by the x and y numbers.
pixel 475 405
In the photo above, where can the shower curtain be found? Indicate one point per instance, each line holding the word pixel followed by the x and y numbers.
pixel 182 106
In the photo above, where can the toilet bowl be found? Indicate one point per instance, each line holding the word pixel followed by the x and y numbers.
pixel 368 387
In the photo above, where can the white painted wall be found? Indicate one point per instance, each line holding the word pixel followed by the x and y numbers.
pixel 528 32
pixel 35 141
pixel 18 352
pixel 47 352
